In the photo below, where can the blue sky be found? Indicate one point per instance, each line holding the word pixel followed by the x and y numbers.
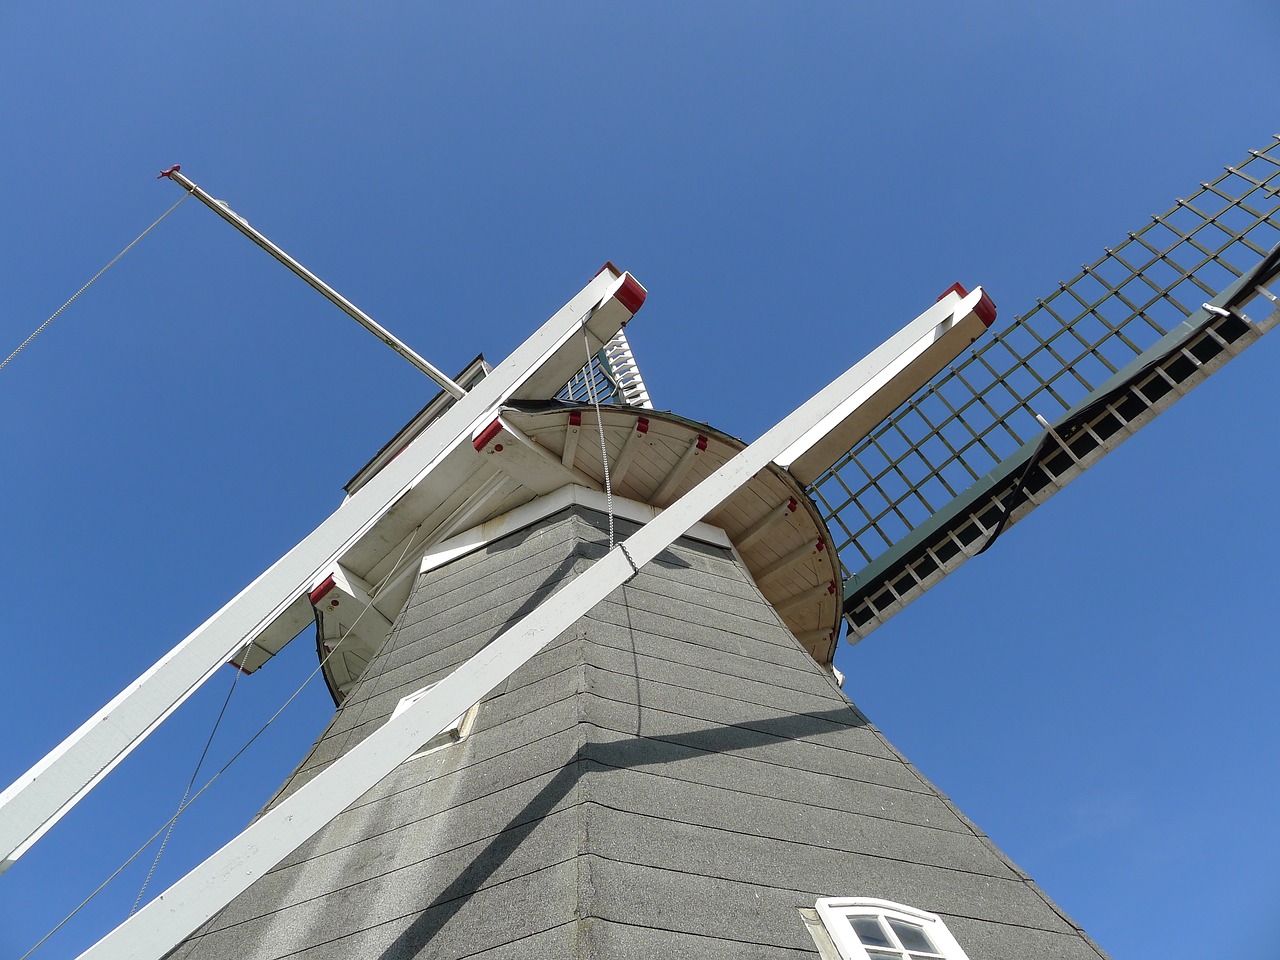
pixel 792 183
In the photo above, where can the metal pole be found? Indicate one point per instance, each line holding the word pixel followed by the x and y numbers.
pixel 221 208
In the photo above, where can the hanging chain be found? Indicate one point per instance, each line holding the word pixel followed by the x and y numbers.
pixel 604 452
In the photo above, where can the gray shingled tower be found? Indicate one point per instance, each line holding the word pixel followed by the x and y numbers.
pixel 675 777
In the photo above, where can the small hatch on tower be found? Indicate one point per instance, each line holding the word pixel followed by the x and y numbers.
pixel 457 729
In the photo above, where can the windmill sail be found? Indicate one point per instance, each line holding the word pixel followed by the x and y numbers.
pixel 969 454
pixel 610 376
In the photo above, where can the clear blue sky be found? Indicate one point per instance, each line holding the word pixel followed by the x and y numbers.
pixel 792 183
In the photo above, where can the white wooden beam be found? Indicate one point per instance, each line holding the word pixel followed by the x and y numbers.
pixel 813 637
pixel 527 514
pixel 155 930
pixel 762 526
pixel 571 432
pixel 812 595
pixel 41 796
pixel 489 493
pixel 924 347
pixel 634 438
pixel 526 461
pixel 798 555
pixel 347 586
pixel 679 471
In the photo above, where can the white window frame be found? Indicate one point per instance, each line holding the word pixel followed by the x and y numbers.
pixel 836 911
pixel 457 729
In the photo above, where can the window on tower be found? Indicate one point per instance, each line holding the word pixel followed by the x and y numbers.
pixel 863 928
pixel 457 729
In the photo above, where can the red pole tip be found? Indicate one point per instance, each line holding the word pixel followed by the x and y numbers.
pixel 168 174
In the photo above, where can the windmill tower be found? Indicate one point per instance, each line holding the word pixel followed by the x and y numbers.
pixel 581 649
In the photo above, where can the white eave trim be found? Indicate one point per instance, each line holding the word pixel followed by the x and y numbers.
pixel 526 515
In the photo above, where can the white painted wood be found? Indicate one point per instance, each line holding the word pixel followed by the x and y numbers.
pixel 155 930
pixel 359 594
pixel 42 795
pixel 798 555
pixel 633 441
pixel 491 492
pixel 570 443
pixel 527 514
pixel 678 472
pixel 761 526
pixel 919 350
pixel 475 371
pixel 292 620
pixel 811 638
pixel 836 911
pixel 523 459
pixel 811 596
pixel 627 372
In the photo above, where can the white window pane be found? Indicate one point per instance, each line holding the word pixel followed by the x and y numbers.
pixel 870 932
pixel 913 937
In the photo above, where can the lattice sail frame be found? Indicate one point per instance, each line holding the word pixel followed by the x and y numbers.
pixel 610 376
pixel 1099 357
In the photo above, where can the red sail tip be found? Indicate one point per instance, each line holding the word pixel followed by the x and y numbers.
pixel 631 295
pixel 986 310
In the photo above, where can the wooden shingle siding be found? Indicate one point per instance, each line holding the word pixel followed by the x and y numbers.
pixel 673 777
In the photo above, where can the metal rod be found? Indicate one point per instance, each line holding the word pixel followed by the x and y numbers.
pixel 221 208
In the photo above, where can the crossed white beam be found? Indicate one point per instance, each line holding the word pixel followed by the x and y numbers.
pixel 46 792
pixel 160 926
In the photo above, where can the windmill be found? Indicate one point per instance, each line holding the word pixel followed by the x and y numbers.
pixel 693 699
